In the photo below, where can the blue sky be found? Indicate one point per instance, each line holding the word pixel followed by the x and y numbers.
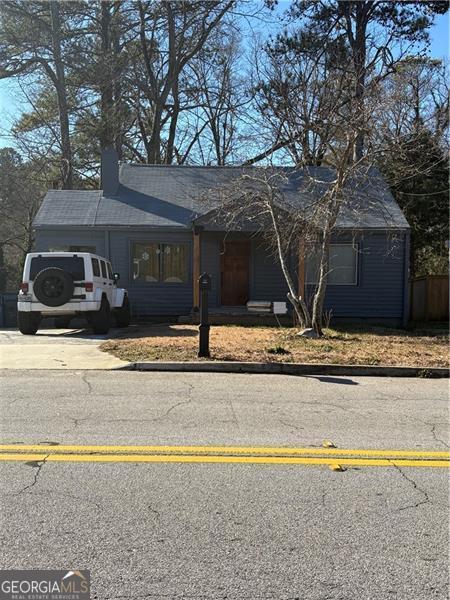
pixel 440 37
pixel 12 103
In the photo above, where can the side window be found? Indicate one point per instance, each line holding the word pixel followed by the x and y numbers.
pixel 342 267
pixel 110 273
pixel 102 263
pixel 95 267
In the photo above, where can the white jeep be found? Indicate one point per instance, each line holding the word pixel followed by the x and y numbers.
pixel 66 284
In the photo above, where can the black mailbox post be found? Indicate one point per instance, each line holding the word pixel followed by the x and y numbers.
pixel 204 283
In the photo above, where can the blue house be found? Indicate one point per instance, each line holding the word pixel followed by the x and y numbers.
pixel 154 225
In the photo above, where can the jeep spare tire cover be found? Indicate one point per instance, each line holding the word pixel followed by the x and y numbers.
pixel 53 286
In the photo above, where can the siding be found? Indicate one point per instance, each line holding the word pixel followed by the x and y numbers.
pixel 46 238
pixel 380 289
pixel 266 278
pixel 379 293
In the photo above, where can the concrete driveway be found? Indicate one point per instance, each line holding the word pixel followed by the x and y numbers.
pixel 56 349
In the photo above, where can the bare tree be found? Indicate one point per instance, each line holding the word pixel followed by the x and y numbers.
pixel 171 34
pixel 318 131
pixel 418 92
pixel 218 93
pixel 31 42
pixel 296 94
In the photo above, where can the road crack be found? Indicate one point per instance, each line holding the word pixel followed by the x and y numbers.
pixel 154 511
pixel 233 413
pixel 176 405
pixel 290 425
pixel 76 421
pixel 425 497
pixel 85 380
pixel 433 433
pixel 433 429
pixel 40 464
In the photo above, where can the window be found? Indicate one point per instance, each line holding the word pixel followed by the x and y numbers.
pixel 95 267
pixel 103 266
pixel 110 273
pixel 342 268
pixel 146 262
pixel 174 261
pixel 71 264
pixel 163 263
pixel 91 249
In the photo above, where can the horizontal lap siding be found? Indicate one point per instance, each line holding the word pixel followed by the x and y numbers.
pixel 44 239
pixel 268 282
pixel 152 298
pixel 379 292
pixel 380 289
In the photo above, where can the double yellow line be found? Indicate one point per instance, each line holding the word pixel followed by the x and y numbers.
pixel 331 457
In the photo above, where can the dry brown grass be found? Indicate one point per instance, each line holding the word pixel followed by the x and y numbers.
pixel 374 346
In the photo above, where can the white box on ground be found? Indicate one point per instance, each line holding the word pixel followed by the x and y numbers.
pixel 279 308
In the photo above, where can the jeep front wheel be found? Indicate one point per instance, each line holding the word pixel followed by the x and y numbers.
pixel 100 321
pixel 123 314
pixel 28 322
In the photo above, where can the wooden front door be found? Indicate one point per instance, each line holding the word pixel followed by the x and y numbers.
pixel 235 273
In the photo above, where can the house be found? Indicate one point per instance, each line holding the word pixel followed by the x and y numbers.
pixel 153 223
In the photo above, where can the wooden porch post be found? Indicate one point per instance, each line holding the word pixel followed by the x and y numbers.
pixel 301 268
pixel 196 268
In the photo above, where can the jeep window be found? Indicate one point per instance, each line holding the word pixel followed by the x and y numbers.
pixel 95 267
pixel 102 263
pixel 110 273
pixel 71 264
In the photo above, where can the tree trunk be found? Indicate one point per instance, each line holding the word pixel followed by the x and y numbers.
pixel 359 64
pixel 61 92
pixel 119 112
pixel 106 78
pixel 154 143
pixel 298 303
pixel 319 296
pixel 173 124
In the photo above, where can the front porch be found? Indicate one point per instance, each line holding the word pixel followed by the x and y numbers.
pixel 242 269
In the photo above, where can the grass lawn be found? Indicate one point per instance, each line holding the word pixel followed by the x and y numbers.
pixel 355 346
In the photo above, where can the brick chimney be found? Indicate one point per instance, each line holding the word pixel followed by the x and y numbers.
pixel 109 174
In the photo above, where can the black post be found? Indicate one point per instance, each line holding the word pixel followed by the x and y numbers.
pixel 204 283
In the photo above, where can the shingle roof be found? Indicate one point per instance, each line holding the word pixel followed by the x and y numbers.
pixel 173 196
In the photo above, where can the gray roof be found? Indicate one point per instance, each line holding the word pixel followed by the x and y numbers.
pixel 174 196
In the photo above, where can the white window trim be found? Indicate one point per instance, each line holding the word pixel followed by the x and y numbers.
pixel 356 282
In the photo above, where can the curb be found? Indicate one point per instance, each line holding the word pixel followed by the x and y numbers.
pixel 287 369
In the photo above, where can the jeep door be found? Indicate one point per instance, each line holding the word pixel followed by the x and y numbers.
pixel 106 282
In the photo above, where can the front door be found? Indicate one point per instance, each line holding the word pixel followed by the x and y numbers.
pixel 235 273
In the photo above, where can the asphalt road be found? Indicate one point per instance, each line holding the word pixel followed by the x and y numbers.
pixel 227 531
